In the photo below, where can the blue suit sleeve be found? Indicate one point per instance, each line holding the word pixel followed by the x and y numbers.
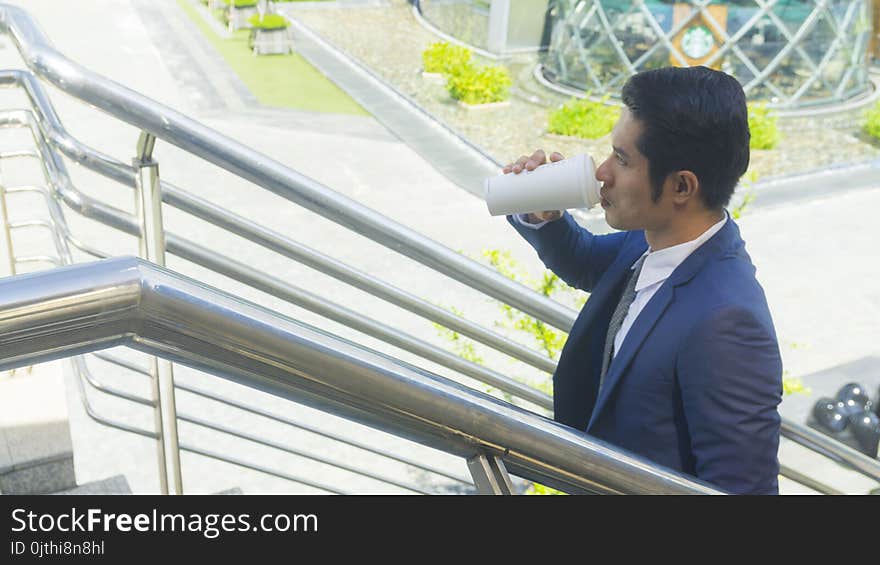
pixel 731 384
pixel 577 256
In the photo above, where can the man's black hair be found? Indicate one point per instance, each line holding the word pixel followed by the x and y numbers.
pixel 694 119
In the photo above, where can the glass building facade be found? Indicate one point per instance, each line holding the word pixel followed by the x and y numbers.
pixel 467 20
pixel 789 53
pixel 497 26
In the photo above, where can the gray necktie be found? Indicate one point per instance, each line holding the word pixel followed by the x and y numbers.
pixel 629 294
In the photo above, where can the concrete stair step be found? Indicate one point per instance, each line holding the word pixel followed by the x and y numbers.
pixel 111 485
pixel 38 476
pixel 36 453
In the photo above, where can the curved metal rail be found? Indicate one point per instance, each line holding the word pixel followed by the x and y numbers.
pixel 125 301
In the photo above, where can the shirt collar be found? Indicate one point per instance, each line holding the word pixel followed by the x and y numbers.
pixel 658 265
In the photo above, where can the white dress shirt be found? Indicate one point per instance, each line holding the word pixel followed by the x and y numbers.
pixel 656 269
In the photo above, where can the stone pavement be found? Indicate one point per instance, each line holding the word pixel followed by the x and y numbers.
pixel 812 239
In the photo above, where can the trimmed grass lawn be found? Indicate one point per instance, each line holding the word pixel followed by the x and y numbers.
pixel 283 81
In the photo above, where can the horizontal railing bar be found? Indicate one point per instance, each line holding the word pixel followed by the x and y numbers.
pixel 93 414
pixel 832 448
pixel 226 430
pixel 259 468
pixel 24 153
pixel 113 391
pixel 216 427
pixel 287 449
pixel 58 227
pixel 31 224
pixel 323 433
pixel 274 241
pixel 122 363
pixel 25 188
pixel 88 250
pixel 809 482
pixel 39 259
pixel 314 303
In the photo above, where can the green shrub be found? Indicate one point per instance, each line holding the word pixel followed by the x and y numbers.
pixel 762 126
pixel 583 118
pixel 240 3
pixel 446 58
pixel 872 121
pixel 547 339
pixel 269 21
pixel 479 85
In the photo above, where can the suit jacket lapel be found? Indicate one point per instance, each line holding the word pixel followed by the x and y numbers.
pixel 634 338
pixel 725 239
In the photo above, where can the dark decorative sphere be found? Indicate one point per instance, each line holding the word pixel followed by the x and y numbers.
pixel 866 429
pixel 831 414
pixel 855 398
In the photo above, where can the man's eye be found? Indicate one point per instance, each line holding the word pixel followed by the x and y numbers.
pixel 620 160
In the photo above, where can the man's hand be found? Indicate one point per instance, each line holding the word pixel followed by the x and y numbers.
pixel 531 163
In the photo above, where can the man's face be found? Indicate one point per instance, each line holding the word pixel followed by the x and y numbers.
pixel 626 186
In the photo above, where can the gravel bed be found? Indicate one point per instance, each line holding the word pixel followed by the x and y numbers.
pixel 389 40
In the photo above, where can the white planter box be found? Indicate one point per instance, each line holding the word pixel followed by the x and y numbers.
pixel 559 136
pixel 272 41
pixel 434 77
pixel 488 106
pixel 238 17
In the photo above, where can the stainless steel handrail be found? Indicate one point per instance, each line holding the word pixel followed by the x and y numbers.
pixel 123 221
pixel 174 127
pixel 831 448
pixel 126 301
pixel 85 374
pixel 61 236
pixel 54 132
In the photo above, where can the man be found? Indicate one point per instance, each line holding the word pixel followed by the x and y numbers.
pixel 682 367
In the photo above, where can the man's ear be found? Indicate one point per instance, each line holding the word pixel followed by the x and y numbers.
pixel 685 186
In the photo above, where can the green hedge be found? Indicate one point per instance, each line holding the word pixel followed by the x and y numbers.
pixel 583 118
pixel 872 121
pixel 268 21
pixel 762 127
pixel 479 85
pixel 242 3
pixel 445 58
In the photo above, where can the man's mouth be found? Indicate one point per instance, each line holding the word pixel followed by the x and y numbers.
pixel 602 200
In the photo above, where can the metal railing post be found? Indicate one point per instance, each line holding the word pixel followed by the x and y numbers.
pixel 148 205
pixel 489 474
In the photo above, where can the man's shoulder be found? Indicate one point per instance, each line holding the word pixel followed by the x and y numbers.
pixel 727 281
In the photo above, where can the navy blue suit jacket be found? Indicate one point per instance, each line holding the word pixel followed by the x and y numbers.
pixel 697 381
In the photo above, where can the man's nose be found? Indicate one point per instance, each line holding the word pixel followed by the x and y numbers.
pixel 602 174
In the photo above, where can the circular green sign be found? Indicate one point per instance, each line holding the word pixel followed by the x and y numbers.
pixel 697 42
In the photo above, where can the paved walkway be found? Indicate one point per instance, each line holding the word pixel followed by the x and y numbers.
pixel 812 239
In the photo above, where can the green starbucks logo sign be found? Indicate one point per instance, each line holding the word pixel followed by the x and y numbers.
pixel 697 42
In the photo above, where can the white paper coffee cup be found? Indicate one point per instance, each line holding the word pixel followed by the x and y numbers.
pixel 570 183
